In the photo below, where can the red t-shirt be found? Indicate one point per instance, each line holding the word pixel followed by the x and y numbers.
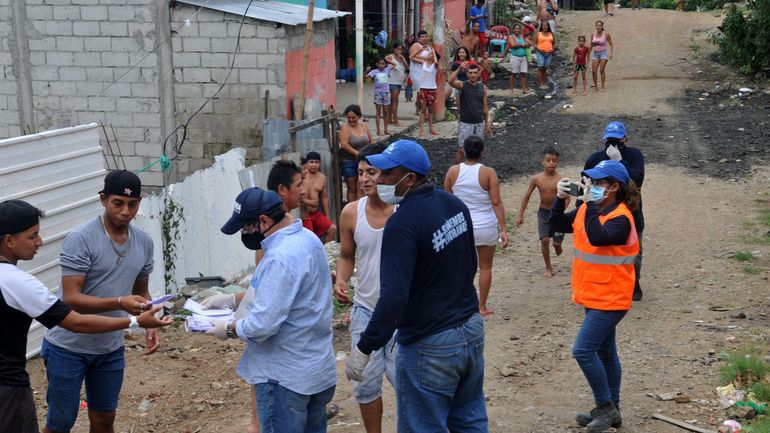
pixel 582 55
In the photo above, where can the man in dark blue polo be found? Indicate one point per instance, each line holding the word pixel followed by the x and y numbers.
pixel 427 266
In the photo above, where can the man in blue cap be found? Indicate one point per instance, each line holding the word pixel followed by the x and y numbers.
pixel 288 331
pixel 616 149
pixel 427 267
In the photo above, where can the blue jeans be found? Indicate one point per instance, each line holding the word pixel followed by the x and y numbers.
pixel 440 381
pixel 282 410
pixel 597 355
pixel 66 370
pixel 381 361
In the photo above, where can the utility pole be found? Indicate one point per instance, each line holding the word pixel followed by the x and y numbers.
pixel 360 52
pixel 306 59
pixel 438 45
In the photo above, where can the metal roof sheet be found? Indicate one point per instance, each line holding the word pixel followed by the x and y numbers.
pixel 267 10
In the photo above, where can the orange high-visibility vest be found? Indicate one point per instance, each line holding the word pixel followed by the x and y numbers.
pixel 603 277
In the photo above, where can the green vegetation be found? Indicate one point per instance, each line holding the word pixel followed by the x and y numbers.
pixel 659 4
pixel 744 40
pixel 760 228
pixel 744 256
pixel 761 391
pixel 743 368
pixel 750 269
pixel 701 5
pixel 759 425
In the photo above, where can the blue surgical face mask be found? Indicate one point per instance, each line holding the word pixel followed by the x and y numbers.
pixel 597 193
pixel 387 193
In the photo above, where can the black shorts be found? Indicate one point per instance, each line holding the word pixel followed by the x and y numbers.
pixel 609 1
pixel 580 68
pixel 17 410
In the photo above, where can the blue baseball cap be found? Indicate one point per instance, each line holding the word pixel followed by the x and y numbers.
pixel 248 206
pixel 615 130
pixel 608 168
pixel 402 153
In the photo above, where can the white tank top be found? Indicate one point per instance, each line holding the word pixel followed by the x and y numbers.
pixel 368 244
pixel 468 189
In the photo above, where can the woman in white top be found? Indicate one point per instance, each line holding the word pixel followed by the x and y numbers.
pixel 478 187
pixel 396 79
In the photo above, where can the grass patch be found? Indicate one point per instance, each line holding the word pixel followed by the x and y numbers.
pixel 695 48
pixel 759 425
pixel 761 390
pixel 750 269
pixel 744 256
pixel 764 217
pixel 743 368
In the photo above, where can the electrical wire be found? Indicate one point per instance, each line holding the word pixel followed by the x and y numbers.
pixel 178 148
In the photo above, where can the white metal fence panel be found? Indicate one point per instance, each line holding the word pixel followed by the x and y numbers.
pixel 60 172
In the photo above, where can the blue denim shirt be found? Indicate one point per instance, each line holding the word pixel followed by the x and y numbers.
pixel 288 331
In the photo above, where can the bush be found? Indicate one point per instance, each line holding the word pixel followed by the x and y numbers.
pixel 704 5
pixel 659 4
pixel 743 368
pixel 745 38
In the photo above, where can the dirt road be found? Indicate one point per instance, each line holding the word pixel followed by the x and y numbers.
pixel 706 177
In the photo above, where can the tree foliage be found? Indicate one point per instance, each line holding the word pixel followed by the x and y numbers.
pixel 744 41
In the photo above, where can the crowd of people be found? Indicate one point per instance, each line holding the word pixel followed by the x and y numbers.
pixel 417 318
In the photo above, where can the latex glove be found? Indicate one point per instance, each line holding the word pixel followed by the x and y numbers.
pixel 354 369
pixel 587 197
pixel 613 153
pixel 562 188
pixel 219 330
pixel 219 301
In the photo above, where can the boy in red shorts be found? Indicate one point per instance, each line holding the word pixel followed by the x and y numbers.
pixel 315 197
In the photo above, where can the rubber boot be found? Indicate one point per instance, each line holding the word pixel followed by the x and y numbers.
pixel 606 416
pixel 637 296
pixel 584 418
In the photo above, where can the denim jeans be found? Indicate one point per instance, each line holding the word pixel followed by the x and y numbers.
pixel 597 355
pixel 282 410
pixel 66 372
pixel 440 381
pixel 382 362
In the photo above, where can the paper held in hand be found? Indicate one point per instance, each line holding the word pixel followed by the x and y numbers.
pixel 201 319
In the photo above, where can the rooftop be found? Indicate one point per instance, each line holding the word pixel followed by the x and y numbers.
pixel 267 10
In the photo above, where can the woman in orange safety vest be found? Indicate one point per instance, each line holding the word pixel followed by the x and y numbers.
pixel 603 278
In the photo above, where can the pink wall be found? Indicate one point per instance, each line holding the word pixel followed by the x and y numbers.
pixel 454 11
pixel 321 78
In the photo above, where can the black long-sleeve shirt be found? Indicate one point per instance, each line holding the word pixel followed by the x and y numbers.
pixel 613 232
pixel 633 160
pixel 427 266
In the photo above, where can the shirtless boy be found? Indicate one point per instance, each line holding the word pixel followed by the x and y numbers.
pixel 317 200
pixel 471 37
pixel 545 183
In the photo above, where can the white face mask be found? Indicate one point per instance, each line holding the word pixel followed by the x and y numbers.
pixel 387 193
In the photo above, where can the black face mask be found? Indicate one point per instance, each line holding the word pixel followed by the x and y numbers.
pixel 253 241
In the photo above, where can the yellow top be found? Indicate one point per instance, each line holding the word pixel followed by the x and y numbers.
pixel 545 42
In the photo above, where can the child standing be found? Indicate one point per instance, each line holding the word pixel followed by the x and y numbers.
pixel 408 90
pixel 580 60
pixel 486 67
pixel 381 93
pixel 545 183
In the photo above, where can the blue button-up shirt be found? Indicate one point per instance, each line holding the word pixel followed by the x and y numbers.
pixel 288 330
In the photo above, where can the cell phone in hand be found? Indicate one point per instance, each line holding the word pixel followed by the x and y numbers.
pixel 575 189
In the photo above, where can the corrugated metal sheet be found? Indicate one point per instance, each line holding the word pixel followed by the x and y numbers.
pixel 266 10
pixel 60 172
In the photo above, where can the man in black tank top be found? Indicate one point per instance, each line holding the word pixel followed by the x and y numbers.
pixel 474 116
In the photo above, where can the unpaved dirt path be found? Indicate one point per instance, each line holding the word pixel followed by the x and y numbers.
pixel 667 342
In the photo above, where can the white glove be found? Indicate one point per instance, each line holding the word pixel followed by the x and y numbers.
pixel 562 188
pixel 613 153
pixel 354 369
pixel 219 330
pixel 219 301
pixel 587 197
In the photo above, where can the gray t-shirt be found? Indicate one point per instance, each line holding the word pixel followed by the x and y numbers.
pixel 110 270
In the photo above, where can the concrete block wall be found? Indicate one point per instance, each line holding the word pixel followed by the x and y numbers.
pixel 9 104
pixel 201 59
pixel 76 49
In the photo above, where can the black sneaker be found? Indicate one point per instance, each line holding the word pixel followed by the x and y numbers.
pixel 585 418
pixel 606 416
pixel 637 296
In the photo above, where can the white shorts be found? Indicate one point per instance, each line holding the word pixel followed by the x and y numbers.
pixel 519 64
pixel 486 236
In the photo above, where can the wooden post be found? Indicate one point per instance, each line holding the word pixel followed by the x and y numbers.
pixel 306 59
pixel 360 53
pixel 438 45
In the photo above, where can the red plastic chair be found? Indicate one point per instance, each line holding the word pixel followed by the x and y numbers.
pixel 497 40
pixel 500 32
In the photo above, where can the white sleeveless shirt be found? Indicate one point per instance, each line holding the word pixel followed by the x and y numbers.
pixel 468 189
pixel 368 244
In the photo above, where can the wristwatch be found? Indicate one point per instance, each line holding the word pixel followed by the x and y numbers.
pixel 230 332
pixel 134 323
